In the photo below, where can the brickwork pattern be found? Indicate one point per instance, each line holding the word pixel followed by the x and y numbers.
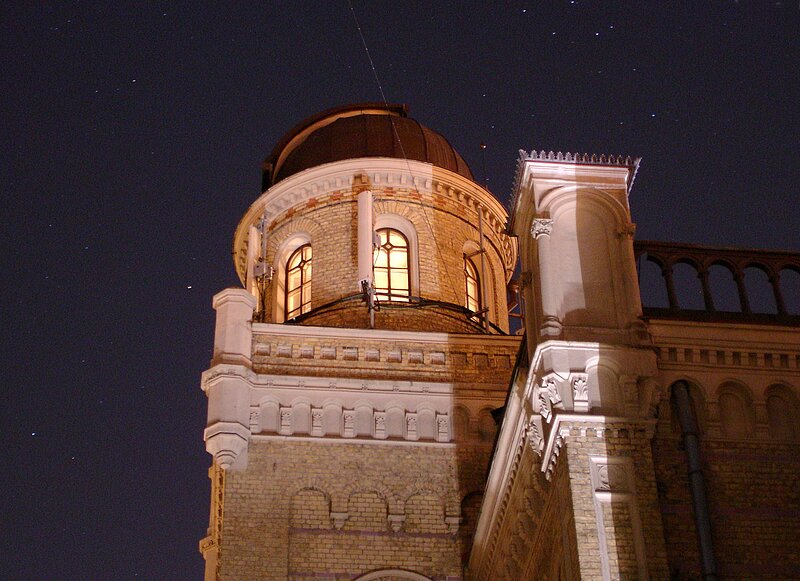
pixel 620 540
pixel 354 315
pixel 424 514
pixel 626 441
pixel 303 510
pixel 443 226
pixel 356 357
pixel 753 492
pixel 310 509
pixel 536 539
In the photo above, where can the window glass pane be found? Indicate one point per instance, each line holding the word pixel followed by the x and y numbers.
pixel 398 258
pixel 396 238
pixel 381 279
pixel 399 280
pixel 293 300
pixel 381 258
pixel 293 280
pixel 391 272
pixel 298 282
pixel 473 302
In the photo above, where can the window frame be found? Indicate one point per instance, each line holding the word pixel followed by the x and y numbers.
pixel 476 277
pixel 407 228
pixel 389 293
pixel 304 286
pixel 280 259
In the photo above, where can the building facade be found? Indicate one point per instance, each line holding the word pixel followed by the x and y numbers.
pixel 360 374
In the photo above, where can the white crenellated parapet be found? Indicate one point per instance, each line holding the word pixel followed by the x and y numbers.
pixel 233 334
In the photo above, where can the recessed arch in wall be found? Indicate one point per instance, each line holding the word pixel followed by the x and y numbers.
pixel 736 414
pixel 783 412
pixel 698 401
pixel 282 254
pixel 486 288
pixel 722 283
pixel 407 229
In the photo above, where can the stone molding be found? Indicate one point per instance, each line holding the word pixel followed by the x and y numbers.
pixel 326 407
pixel 579 377
pixel 541 227
pixel 337 177
pixel 614 481
pixel 554 403
pixel 299 332
pixel 603 426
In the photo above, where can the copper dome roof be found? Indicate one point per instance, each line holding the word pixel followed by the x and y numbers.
pixel 363 130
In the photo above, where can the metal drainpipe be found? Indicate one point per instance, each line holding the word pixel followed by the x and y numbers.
pixel 697 486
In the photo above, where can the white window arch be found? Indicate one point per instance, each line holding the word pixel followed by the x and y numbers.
pixel 285 251
pixel 298 282
pixel 407 229
pixel 391 273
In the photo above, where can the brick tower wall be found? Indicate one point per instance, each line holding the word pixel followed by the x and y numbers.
pixel 310 510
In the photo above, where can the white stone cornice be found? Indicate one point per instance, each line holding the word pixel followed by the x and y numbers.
pixel 224 370
pixel 328 441
pixel 725 335
pixel 312 382
pixel 381 172
pixel 442 339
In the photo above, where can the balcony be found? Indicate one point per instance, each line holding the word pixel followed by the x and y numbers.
pixel 703 283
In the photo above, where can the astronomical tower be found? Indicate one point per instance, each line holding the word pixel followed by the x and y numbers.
pixel 354 373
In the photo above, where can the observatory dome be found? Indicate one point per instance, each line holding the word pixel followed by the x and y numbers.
pixel 361 130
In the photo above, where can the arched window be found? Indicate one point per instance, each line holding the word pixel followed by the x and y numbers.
pixel 391 272
pixel 474 302
pixel 298 282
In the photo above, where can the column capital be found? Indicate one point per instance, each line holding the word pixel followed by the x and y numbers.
pixel 541 227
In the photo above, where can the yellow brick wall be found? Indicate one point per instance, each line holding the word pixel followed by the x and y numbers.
pixel 442 226
pixel 618 442
pixel 310 509
pixel 753 491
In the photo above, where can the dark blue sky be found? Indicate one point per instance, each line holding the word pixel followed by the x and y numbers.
pixel 132 142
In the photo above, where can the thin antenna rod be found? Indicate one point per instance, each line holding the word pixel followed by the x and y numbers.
pixel 485 176
pixel 402 149
pixel 369 57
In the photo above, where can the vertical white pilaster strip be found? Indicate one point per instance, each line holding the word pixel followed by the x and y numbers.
pixel 365 230
pixel 253 250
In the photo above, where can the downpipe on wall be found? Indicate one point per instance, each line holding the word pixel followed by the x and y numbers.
pixel 697 487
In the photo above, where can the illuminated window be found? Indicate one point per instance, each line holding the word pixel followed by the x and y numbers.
pixel 473 285
pixel 391 266
pixel 298 282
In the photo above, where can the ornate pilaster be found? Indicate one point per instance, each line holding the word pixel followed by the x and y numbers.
pixel 541 230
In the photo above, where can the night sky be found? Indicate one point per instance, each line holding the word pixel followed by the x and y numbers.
pixel 132 143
